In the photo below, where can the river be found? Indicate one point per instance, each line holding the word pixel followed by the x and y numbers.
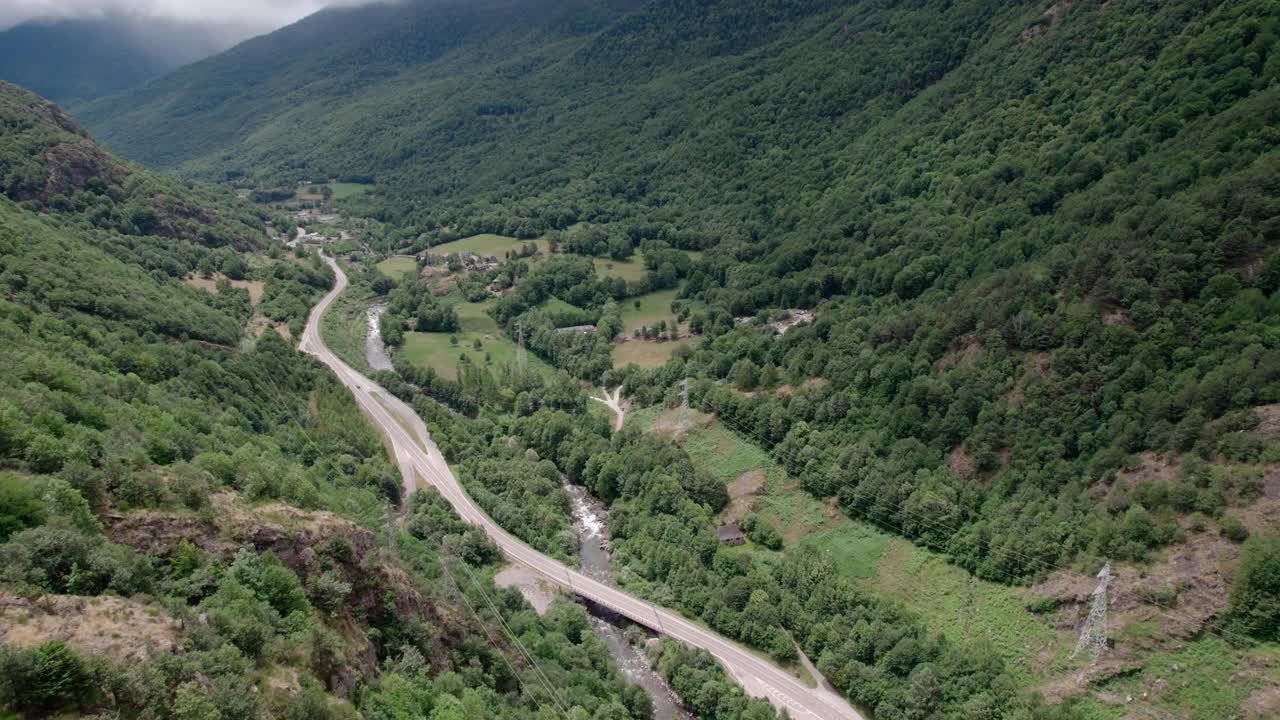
pixel 375 351
pixel 591 518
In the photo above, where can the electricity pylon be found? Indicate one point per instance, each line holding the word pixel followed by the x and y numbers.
pixel 1093 636
pixel 683 423
pixel 520 357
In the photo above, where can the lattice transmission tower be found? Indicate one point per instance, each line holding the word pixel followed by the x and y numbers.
pixel 682 425
pixel 1093 635
pixel 520 355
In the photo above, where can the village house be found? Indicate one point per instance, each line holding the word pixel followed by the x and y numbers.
pixel 577 330
pixel 731 535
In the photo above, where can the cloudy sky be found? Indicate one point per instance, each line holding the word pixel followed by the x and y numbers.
pixel 261 14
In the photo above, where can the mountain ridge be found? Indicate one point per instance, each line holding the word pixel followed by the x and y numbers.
pixel 76 60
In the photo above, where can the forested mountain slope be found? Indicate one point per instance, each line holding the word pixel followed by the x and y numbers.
pixel 758 110
pixel 295 77
pixel 75 60
pixel 1040 242
pixel 192 518
pixel 1042 238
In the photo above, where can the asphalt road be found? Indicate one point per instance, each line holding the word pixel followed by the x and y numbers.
pixel 420 462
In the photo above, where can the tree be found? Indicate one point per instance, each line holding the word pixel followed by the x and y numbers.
pixel 234 267
pixel 240 617
pixel 191 703
pixel 1138 525
pixel 397 697
pixel 1254 603
pixel 768 376
pixel 19 508
pixel 46 454
pixel 185 560
pixel 270 581
pixel 620 247
pixel 58 676
pixel 328 591
pixel 744 375
pixel 448 707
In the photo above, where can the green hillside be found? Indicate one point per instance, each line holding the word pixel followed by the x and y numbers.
pixel 193 522
pixel 1039 245
pixel 1048 233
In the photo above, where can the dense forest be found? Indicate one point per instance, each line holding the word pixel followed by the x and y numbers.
pixel 1041 242
pixel 519 432
pixel 77 59
pixel 191 525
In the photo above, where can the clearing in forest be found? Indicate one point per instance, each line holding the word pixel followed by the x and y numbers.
pixel 630 270
pixel 436 350
pixel 653 308
pixel 397 266
pixel 647 354
pixel 488 244
pixel 342 191
pixel 210 284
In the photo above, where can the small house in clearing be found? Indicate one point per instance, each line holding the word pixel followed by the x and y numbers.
pixel 731 535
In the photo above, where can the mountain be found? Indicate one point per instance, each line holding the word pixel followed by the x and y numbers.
pixel 1062 194
pixel 1034 251
pixel 775 116
pixel 192 519
pixel 73 60
pixel 294 75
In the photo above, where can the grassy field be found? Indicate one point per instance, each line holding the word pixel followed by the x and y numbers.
pixel 254 287
pixel 341 191
pixel 397 266
pixel 646 355
pixel 474 317
pixel 436 351
pixel 947 598
pixel 556 305
pixel 344 329
pixel 496 245
pixel 632 269
pixel 653 307
pixel 1200 680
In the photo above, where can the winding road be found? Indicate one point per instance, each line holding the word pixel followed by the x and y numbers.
pixel 420 462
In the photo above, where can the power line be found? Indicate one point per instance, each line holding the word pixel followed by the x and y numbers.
pixel 1166 610
pixel 485 628
pixel 546 681
pixel 559 701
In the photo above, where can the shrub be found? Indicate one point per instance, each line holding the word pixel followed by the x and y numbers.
pixel 1254 604
pixel 63 560
pixel 191 703
pixel 1233 529
pixel 19 507
pixel 240 618
pixel 1042 605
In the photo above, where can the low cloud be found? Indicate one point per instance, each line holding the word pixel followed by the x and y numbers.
pixel 261 15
